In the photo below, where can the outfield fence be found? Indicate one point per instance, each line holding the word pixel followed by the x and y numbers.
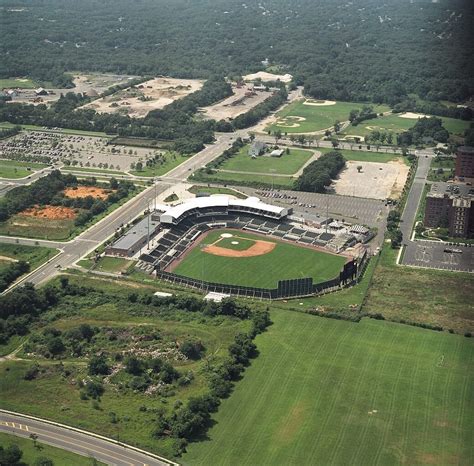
pixel 293 288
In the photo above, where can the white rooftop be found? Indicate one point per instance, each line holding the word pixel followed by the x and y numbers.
pixel 176 211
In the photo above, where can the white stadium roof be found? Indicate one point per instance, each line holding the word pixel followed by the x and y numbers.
pixel 177 211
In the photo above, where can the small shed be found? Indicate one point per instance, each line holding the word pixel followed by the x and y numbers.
pixel 41 91
pixel 277 153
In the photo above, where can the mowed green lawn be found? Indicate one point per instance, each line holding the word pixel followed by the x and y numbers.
pixel 172 160
pixel 397 124
pixel 35 255
pixel 285 182
pixel 328 392
pixel 316 117
pixel 31 453
pixel 287 164
pixel 285 261
pixel 13 169
pixel 17 83
pixel 365 156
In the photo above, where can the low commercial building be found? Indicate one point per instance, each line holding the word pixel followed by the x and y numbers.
pixel 451 206
pixel 134 239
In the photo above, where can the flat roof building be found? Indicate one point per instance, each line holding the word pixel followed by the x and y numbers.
pixel 465 162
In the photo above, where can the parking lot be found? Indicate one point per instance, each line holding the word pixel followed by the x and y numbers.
pixel 440 256
pixel 369 212
pixel 79 151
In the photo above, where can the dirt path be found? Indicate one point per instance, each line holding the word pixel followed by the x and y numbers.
pixel 8 259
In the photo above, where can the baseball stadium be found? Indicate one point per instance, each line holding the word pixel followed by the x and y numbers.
pixel 247 247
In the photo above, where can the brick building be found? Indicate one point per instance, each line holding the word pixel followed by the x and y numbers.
pixel 465 162
pixel 451 206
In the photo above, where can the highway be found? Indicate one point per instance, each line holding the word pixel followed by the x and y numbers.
pixel 77 441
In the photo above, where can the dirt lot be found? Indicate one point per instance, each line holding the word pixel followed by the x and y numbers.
pixel 375 181
pixel 85 191
pixel 150 95
pixel 85 83
pixel 50 212
pixel 235 105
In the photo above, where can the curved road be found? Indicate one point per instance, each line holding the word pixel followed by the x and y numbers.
pixel 74 440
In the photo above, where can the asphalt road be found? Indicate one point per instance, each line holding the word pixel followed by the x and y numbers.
pixel 82 443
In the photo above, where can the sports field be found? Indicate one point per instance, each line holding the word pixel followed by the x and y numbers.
pixel 328 392
pixel 303 117
pixel 287 164
pixel 397 124
pixel 277 261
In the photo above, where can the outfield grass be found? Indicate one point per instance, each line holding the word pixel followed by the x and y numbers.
pixel 317 117
pixel 328 392
pixel 196 189
pixel 421 295
pixel 13 169
pixel 172 160
pixel 397 124
pixel 285 261
pixel 32 453
pixel 287 164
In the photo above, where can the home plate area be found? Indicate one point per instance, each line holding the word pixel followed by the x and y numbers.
pixel 229 245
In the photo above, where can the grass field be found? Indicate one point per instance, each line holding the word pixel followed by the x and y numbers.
pixel 32 453
pixel 56 395
pixel 35 255
pixel 285 182
pixel 78 132
pixel 91 170
pixel 285 261
pixel 108 264
pixel 13 169
pixel 18 83
pixel 287 164
pixel 327 392
pixel 366 156
pixel 196 189
pixel 316 117
pixel 172 160
pixel 396 124
pixel 421 295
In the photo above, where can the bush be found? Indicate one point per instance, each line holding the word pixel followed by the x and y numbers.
pixel 98 365
pixel 94 389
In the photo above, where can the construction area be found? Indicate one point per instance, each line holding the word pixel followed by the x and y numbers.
pixel 137 101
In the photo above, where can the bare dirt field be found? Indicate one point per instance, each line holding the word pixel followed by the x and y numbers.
pixel 50 212
pixel 266 77
pixel 85 191
pixel 242 101
pixel 375 181
pixel 138 100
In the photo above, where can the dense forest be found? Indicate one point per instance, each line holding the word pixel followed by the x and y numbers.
pixel 363 50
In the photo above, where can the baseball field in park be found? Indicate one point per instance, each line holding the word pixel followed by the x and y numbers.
pixel 330 392
pixel 239 258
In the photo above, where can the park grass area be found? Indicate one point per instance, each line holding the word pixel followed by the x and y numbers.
pixel 197 189
pixel 287 164
pixel 421 295
pixel 108 264
pixel 282 182
pixel 171 160
pixel 326 391
pixel 18 83
pixel 44 129
pixel 366 156
pixel 285 261
pixel 396 124
pixel 32 453
pixel 34 255
pixel 300 118
pixel 55 394
pixel 13 169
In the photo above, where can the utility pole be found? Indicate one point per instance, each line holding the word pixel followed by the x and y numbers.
pixel 148 223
